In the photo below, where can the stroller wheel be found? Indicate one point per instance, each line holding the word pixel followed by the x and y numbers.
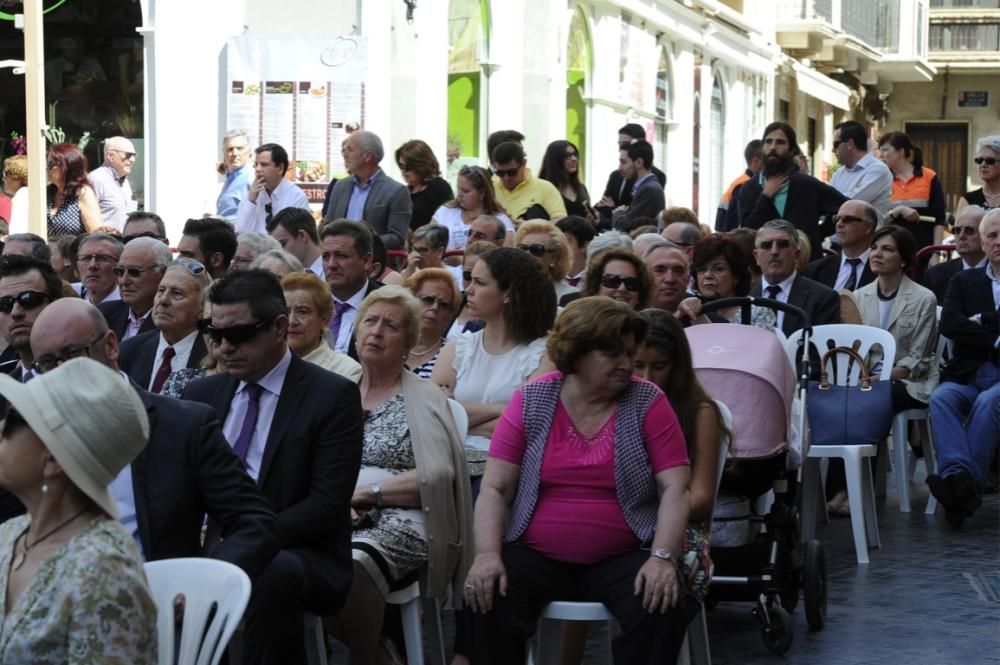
pixel 814 584
pixel 778 635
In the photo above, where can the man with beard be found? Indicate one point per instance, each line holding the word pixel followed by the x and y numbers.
pixel 781 191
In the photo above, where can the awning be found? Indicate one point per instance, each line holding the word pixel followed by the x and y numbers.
pixel 822 87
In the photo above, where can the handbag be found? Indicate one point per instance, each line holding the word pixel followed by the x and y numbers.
pixel 860 414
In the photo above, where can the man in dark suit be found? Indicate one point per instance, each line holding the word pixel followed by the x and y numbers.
pixel 968 247
pixel 648 200
pixel 150 358
pixel 298 428
pixel 781 191
pixel 848 269
pixel 618 191
pixel 27 287
pixel 347 259
pixel 139 270
pixel 777 254
pixel 964 406
pixel 185 472
pixel 370 195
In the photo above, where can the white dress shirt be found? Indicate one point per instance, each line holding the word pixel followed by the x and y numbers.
pixel 182 354
pixel 981 264
pixel 122 492
pixel 83 293
pixel 845 270
pixel 135 323
pixel 252 216
pixel 348 318
pixel 316 268
pixel 868 180
pixel 786 289
pixel 270 385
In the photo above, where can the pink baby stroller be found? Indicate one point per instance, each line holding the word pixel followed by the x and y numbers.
pixel 747 368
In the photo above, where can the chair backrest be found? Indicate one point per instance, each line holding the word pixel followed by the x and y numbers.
pixel 841 370
pixel 461 418
pixel 215 594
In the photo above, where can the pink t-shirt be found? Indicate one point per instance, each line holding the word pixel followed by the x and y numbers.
pixel 578 518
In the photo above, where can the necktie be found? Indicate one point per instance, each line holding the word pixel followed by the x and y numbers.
pixel 249 421
pixel 852 281
pixel 338 313
pixel 773 291
pixel 164 371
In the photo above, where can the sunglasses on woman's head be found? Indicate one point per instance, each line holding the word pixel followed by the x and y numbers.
pixel 26 299
pixel 989 161
pixel 614 281
pixel 235 335
pixel 536 249
pixel 193 267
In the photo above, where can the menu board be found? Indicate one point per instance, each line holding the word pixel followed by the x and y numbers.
pixel 305 94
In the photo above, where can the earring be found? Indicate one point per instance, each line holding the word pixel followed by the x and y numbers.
pixel 506 301
pixel 45 488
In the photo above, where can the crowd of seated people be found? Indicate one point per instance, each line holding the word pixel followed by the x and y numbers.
pixel 306 374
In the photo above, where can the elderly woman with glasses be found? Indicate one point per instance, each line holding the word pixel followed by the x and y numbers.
pixel 310 308
pixel 440 298
pixel 987 162
pixel 72 202
pixel 548 244
pixel 427 247
pixel 422 174
pixel 475 197
pixel 620 275
pixel 411 507
pixel 71 574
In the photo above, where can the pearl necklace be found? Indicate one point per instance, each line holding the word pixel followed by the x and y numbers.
pixel 420 354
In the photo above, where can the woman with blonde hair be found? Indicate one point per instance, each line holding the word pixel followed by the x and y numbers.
pixel 15 185
pixel 439 298
pixel 310 308
pixel 547 243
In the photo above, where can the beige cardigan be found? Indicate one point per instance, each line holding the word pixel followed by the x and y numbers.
pixel 445 492
pixel 913 324
pixel 334 361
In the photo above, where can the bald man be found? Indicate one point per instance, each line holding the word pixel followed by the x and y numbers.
pixel 110 182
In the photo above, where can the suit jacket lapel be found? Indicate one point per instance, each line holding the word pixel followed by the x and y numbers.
pixel 797 297
pixel 293 392
pixel 198 352
pixel 373 192
pixel 145 361
pixel 140 486
pixel 902 300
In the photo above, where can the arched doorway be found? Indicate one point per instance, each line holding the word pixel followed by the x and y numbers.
pixel 578 59
pixel 664 108
pixel 717 137
pixel 468 37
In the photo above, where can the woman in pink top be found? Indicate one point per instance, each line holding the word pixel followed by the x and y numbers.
pixel 585 496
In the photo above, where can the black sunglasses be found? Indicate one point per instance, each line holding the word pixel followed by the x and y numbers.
pixel 26 299
pixel 235 335
pixel 470 171
pixel 614 281
pixel 49 363
pixel 783 243
pixel 430 301
pixel 131 271
pixel 466 276
pixel 193 267
pixel 507 173
pixel 989 161
pixel 848 219
pixel 537 249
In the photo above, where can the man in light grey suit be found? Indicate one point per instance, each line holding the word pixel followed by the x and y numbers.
pixel 777 254
pixel 369 194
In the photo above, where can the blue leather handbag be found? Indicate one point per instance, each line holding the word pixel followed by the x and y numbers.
pixel 859 414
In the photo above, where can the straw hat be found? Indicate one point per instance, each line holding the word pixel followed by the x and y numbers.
pixel 89 418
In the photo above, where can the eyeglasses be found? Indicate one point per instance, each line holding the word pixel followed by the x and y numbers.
pixel 267 209
pixel 431 301
pixel 100 258
pixel 717 269
pixel 26 299
pixel 466 276
pixel 848 219
pixel 147 234
pixel 235 335
pixel 989 161
pixel 507 173
pixel 470 172
pixel 766 245
pixel 965 230
pixel 49 363
pixel 193 267
pixel 536 249
pixel 127 155
pixel 132 271
pixel 614 281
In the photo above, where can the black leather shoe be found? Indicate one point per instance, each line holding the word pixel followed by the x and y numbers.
pixel 944 493
pixel 954 520
pixel 965 492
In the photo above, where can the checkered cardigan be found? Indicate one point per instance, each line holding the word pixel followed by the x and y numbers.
pixel 634 482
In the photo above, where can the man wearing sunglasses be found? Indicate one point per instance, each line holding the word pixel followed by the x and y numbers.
pixel 521 194
pixel 861 175
pixel 777 254
pixel 968 246
pixel 110 182
pixel 144 224
pixel 848 269
pixel 187 471
pixel 139 273
pixel 298 428
pixel 27 286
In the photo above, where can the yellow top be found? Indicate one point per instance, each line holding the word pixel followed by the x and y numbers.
pixel 529 192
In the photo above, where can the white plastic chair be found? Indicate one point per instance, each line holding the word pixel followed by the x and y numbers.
pixel 205 584
pixel 461 418
pixel 857 464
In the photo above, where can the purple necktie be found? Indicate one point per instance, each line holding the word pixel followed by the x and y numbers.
pixel 249 421
pixel 338 312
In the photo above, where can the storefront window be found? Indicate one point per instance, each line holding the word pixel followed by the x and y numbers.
pixel 577 72
pixel 468 28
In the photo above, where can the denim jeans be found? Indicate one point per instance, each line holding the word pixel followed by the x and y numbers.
pixel 966 422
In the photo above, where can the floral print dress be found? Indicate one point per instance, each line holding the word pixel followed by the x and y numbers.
pixel 87 603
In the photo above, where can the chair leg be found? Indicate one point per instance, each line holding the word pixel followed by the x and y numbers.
pixel 315 640
pixel 697 638
pixel 432 630
pixel 684 657
pixel 871 516
pixel 900 443
pixel 549 642
pixel 855 496
pixel 882 469
pixel 411 632
pixel 930 461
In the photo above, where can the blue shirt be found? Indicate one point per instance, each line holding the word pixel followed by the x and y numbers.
pixel 359 196
pixel 233 191
pixel 640 181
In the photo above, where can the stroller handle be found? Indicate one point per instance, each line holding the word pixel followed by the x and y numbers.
pixel 746 301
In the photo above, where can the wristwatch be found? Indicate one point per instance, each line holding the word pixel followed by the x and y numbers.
pixel 662 554
pixel 376 489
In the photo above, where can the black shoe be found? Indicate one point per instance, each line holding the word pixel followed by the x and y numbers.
pixel 965 492
pixel 991 486
pixel 945 494
pixel 954 520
